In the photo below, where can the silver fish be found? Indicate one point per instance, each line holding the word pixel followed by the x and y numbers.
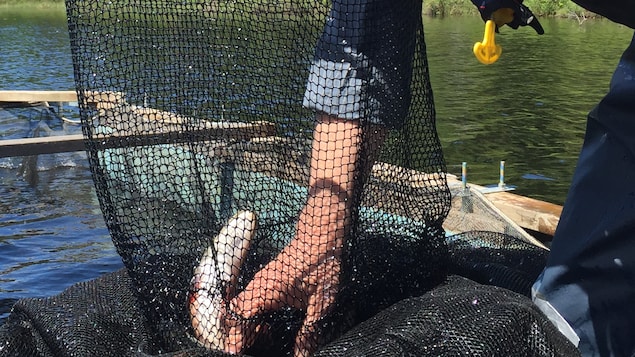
pixel 216 271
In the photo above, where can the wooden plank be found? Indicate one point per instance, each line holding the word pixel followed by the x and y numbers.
pixel 29 96
pixel 515 223
pixel 104 100
pixel 41 145
pixel 120 139
pixel 130 125
pixel 214 130
pixel 527 212
pixel 100 100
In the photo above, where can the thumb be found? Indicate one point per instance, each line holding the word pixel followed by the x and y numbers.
pixel 535 24
pixel 249 303
pixel 527 18
pixel 261 295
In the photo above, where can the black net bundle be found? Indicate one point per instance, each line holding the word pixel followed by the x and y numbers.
pixel 272 178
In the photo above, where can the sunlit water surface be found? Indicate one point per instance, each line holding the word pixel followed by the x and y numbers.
pixel 52 233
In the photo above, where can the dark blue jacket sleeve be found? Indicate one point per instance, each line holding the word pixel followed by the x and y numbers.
pixel 620 11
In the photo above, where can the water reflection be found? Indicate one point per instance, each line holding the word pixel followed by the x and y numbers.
pixel 530 107
pixel 52 234
pixel 35 50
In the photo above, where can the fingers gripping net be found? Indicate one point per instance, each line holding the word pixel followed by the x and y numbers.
pixel 271 176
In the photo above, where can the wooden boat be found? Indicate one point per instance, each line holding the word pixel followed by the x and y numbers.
pixel 536 217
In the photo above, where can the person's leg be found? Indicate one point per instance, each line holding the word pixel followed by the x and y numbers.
pixel 590 275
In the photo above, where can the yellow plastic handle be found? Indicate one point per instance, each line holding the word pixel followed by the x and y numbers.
pixel 488 52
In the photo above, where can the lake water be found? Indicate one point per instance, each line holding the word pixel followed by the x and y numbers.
pixel 528 109
pixel 52 233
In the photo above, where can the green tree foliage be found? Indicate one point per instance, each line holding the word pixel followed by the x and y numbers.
pixel 561 8
pixel 448 7
pixel 565 8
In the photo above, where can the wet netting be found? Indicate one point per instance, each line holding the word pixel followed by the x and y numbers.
pixel 272 178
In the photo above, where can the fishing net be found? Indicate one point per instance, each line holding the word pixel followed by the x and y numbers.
pixel 272 178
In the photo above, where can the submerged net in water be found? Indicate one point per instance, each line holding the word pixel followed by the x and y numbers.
pixel 272 178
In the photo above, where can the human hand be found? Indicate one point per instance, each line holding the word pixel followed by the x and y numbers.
pixel 304 276
pixel 508 12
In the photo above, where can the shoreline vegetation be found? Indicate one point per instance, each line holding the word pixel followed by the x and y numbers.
pixel 541 8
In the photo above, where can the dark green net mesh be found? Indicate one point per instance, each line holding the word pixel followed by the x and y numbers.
pixel 197 112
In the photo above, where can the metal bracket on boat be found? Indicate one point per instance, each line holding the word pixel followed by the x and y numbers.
pixel 500 187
